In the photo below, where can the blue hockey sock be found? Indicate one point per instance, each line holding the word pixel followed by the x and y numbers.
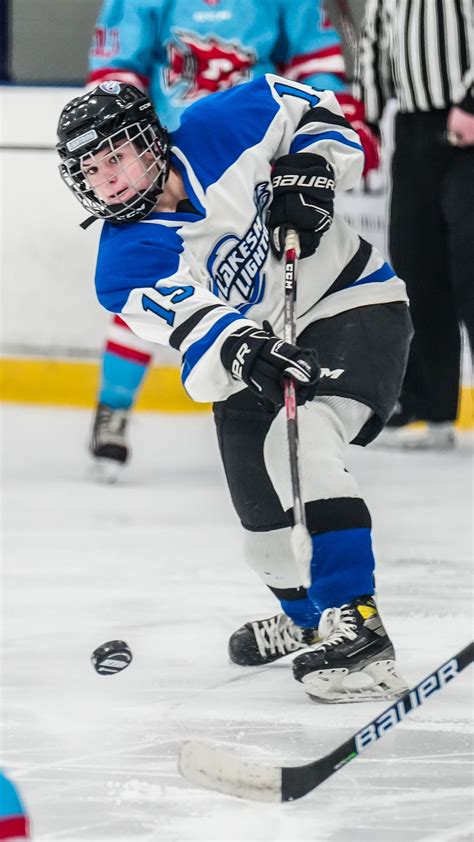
pixel 342 567
pixel 121 380
pixel 297 605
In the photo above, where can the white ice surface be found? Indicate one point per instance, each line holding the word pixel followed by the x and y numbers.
pixel 156 561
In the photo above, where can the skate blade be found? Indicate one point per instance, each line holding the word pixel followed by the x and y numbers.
pixel 105 471
pixel 377 681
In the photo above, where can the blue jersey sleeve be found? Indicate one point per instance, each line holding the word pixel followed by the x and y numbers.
pixel 134 256
pixel 143 274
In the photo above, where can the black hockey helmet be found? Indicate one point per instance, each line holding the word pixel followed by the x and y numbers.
pixel 103 121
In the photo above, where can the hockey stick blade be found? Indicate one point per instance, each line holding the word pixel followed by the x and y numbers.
pixel 215 768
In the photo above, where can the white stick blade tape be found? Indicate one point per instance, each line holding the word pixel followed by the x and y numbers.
pixel 302 547
pixel 214 768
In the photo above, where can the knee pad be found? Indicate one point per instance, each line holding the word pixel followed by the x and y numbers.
pixel 270 555
pixel 326 426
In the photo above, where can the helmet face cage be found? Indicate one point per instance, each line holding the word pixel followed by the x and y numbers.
pixel 150 170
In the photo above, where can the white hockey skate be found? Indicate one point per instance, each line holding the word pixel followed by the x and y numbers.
pixel 355 662
pixel 108 445
pixel 264 641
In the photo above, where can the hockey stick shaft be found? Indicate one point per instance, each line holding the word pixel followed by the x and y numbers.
pixel 348 28
pixel 215 768
pixel 298 781
pixel 300 538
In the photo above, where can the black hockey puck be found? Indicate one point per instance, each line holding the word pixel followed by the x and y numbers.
pixel 111 657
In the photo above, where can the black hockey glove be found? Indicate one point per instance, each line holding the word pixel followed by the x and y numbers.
pixel 303 198
pixel 262 360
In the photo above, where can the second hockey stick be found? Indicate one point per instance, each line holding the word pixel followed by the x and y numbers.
pixel 215 768
pixel 301 543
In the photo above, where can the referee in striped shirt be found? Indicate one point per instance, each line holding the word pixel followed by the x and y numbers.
pixel 421 53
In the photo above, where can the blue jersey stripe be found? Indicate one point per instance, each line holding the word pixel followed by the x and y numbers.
pixel 199 348
pixel 384 273
pixel 301 141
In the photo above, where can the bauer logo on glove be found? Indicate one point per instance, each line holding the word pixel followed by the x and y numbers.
pixel 239 361
pixel 303 198
pixel 303 181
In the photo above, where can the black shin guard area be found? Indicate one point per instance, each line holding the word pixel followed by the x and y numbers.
pixel 335 514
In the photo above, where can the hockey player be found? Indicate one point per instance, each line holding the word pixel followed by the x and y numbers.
pixel 190 256
pixel 181 52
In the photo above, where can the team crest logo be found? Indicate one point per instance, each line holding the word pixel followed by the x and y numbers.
pixel 110 87
pixel 235 263
pixel 205 65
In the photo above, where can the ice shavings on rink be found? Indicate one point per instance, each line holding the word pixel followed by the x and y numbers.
pixel 157 561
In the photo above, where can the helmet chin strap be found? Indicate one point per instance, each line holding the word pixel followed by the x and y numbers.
pixel 88 222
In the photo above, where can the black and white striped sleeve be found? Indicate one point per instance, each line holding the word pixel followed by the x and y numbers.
pixel 432 53
pixel 465 16
pixel 373 83
pixel 420 51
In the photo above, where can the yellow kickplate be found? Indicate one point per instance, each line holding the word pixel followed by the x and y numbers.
pixel 76 383
pixel 366 611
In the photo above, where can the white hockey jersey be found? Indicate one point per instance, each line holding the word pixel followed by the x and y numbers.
pixel 190 279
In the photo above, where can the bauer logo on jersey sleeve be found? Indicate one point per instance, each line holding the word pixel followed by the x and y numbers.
pixel 235 262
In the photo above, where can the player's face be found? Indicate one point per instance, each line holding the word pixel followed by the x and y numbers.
pixel 119 171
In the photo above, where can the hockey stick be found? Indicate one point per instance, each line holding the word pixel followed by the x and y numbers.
pixel 301 543
pixel 214 768
pixel 350 37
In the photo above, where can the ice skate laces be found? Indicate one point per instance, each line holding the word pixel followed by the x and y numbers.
pixel 111 424
pixel 336 625
pixel 277 634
